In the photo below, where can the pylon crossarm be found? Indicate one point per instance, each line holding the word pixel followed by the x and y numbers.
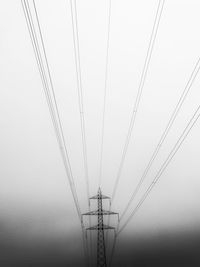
pixel 107 227
pixel 95 212
pixel 103 212
pixel 101 196
pixel 108 212
pixel 103 227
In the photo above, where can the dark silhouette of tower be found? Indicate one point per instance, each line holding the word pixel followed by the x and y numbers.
pixel 100 227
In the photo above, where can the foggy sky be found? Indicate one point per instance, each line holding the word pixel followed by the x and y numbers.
pixel 38 221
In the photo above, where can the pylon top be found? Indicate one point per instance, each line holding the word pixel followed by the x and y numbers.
pixel 99 195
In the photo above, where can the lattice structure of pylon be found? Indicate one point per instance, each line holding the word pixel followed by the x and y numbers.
pixel 100 227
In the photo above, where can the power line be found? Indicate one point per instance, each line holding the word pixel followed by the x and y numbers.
pixel 40 66
pixel 54 115
pixel 52 104
pixel 140 90
pixel 165 133
pixel 79 87
pixel 139 93
pixel 172 153
pixel 169 158
pixel 74 19
pixel 105 93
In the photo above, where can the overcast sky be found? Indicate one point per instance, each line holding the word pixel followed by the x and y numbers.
pixel 36 204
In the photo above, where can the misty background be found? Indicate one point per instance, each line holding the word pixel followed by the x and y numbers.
pixel 39 225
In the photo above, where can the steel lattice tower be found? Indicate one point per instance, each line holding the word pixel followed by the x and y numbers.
pixel 100 227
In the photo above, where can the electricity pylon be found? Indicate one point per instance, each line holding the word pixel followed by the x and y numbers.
pixel 100 227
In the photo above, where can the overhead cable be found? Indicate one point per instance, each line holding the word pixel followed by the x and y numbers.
pixel 105 93
pixel 169 158
pixel 51 102
pixel 165 133
pixel 79 87
pixel 139 91
pixel 74 19
pixel 139 94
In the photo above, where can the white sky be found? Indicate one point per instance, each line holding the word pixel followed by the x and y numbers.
pixel 33 184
